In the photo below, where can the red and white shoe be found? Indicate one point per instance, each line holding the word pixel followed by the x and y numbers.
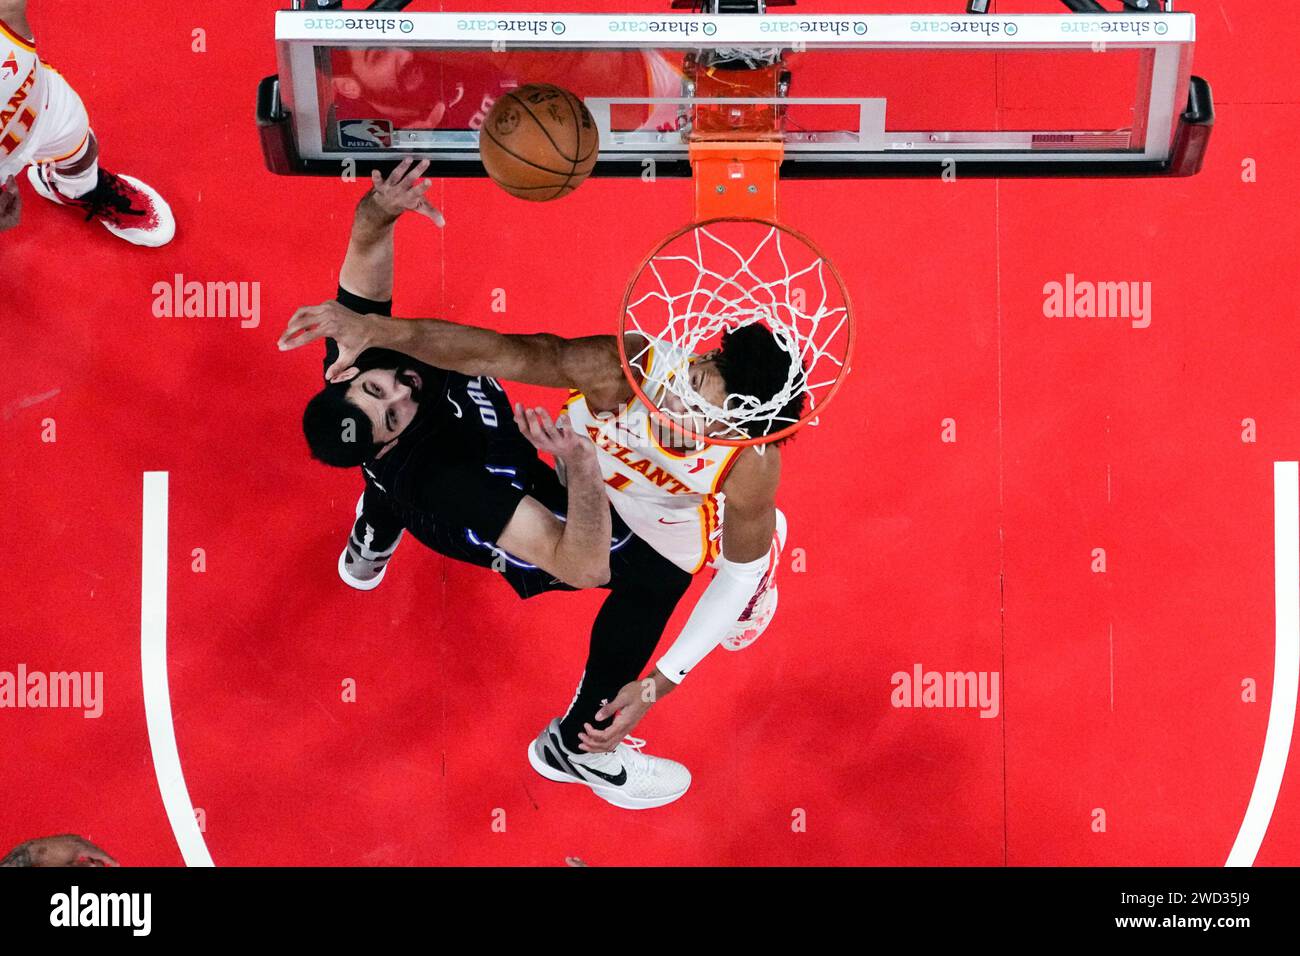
pixel 758 614
pixel 126 207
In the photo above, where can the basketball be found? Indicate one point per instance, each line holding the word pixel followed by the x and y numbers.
pixel 539 142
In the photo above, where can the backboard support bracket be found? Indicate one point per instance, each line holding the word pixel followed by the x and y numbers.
pixel 736 179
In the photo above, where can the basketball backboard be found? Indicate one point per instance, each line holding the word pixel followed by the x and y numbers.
pixel 847 96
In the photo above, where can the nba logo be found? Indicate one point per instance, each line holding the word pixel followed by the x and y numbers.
pixel 9 68
pixel 365 134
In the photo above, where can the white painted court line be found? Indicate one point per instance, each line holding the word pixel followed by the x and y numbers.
pixel 153 661
pixel 1286 664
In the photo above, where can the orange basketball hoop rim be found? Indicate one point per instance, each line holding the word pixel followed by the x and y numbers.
pixel 824 334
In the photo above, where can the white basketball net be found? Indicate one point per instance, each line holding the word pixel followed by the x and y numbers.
pixel 726 275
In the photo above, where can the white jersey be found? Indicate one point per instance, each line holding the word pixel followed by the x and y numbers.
pixel 22 91
pixel 669 496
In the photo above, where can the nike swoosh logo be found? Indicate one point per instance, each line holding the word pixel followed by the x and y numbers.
pixel 616 779
pixel 662 521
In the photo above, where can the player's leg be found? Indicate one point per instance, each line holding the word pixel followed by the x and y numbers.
pixel 644 591
pixel 66 171
pixel 623 638
pixel 374 537
pixel 77 173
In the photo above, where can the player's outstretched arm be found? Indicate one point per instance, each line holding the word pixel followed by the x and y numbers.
pixel 575 550
pixel 589 364
pixel 368 266
pixel 747 528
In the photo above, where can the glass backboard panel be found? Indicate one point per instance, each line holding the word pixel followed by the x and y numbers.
pixel 401 98
pixel 874 89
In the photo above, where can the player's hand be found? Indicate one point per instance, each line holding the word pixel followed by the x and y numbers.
pixel 11 204
pixel 351 331
pixel 559 439
pixel 627 708
pixel 404 191
pixel 66 850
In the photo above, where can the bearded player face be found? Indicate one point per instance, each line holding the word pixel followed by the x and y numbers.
pixel 390 399
pixel 402 85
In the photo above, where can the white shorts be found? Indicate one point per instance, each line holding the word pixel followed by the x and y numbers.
pixel 60 130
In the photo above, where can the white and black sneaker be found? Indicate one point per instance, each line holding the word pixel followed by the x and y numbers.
pixel 360 566
pixel 625 777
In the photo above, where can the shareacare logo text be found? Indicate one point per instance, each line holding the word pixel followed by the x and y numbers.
pixel 972 26
pixel 1118 26
pixel 383 25
pixel 518 26
pixel 679 25
pixel 812 28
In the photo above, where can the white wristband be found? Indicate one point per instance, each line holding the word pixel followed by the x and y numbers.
pixel 718 608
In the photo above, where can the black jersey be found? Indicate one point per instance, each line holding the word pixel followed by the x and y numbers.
pixel 458 471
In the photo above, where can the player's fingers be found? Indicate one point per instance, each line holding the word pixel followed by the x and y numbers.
pixel 397 174
pixel 425 209
pixel 548 428
pixel 524 423
pixel 300 337
pixel 297 332
pixel 414 181
pixel 564 425
pixel 593 743
pixel 415 184
pixel 376 180
pixel 434 119
pixel 530 423
pixel 612 707
pixel 607 736
pixel 305 319
pixel 344 362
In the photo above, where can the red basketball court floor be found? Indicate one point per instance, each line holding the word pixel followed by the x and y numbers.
pixel 1121 691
